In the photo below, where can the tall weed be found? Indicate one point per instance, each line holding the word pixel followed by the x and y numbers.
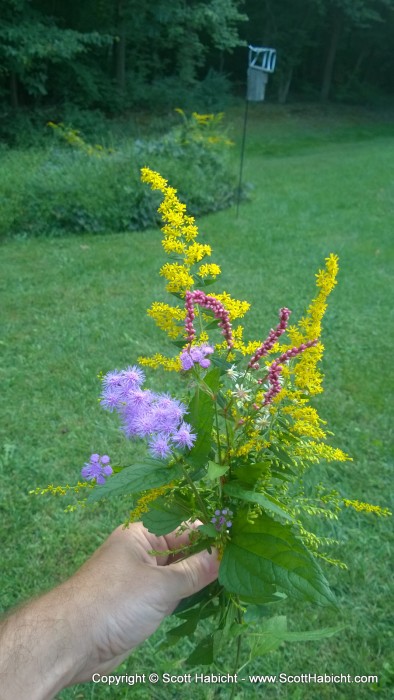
pixel 79 187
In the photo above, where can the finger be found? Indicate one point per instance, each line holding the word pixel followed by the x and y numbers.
pixel 190 575
pixel 178 539
pixel 181 537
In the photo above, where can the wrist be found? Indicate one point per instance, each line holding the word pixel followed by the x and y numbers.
pixel 40 654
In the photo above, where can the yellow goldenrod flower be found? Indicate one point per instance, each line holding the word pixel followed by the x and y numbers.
pixel 189 230
pixel 173 245
pixel 143 502
pixel 325 281
pixel 171 364
pixel 178 278
pixel 167 318
pixel 203 118
pixel 250 347
pixel 306 421
pixel 367 507
pixel 155 180
pixel 209 270
pixel 235 308
pixel 306 375
pixel 61 490
pixel 196 252
pixel 172 217
pixel 247 349
pixel 315 451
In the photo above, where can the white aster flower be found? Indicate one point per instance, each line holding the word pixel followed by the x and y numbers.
pixel 241 393
pixel 232 372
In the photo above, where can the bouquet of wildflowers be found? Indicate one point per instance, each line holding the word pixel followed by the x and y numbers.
pixel 226 457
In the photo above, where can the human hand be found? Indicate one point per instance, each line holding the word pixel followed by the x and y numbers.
pixel 123 593
pixel 91 622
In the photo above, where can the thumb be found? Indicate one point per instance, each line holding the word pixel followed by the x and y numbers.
pixel 188 576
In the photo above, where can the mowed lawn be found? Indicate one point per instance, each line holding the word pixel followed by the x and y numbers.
pixel 75 306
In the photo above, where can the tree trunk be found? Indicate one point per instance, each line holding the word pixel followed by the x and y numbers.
pixel 336 29
pixel 284 86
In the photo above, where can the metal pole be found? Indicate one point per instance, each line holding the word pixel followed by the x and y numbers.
pixel 242 154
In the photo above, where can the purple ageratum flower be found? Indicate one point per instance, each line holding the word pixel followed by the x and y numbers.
pixel 140 424
pixel 111 399
pixel 145 414
pixel 132 377
pixel 97 468
pixel 207 349
pixel 222 519
pixel 187 361
pixel 135 412
pixel 167 413
pixel 159 446
pixel 197 354
pixel 184 437
pixel 168 402
pixel 163 421
pixel 116 386
pixel 111 395
pixel 139 399
pixel 112 380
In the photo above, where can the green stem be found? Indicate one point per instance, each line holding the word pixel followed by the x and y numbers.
pixel 218 434
pixel 196 493
pixel 238 654
pixel 200 321
pixel 227 434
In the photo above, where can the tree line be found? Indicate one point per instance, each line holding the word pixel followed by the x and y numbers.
pixel 114 55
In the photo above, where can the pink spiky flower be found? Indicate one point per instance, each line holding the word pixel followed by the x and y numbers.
pixel 273 336
pixel 276 368
pixel 207 302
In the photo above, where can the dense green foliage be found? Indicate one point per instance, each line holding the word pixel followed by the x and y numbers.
pixel 105 54
pixel 326 48
pixel 125 55
pixel 54 189
pixel 73 307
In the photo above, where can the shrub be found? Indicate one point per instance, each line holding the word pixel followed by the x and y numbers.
pixel 88 188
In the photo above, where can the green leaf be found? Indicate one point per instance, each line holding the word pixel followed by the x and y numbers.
pixel 142 476
pixel 221 364
pixel 282 456
pixel 271 637
pixel 212 324
pixel 191 620
pixel 216 470
pixel 223 638
pixel 251 473
pixel 186 629
pixel 207 282
pixel 212 379
pixel 222 401
pixel 201 414
pixel 203 653
pixel 264 500
pixel 267 552
pixel 254 612
pixel 163 517
pixel 283 473
pixel 313 635
pixel 209 592
pixel 275 633
pixel 209 530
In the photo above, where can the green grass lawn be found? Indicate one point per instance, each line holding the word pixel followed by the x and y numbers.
pixel 72 307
